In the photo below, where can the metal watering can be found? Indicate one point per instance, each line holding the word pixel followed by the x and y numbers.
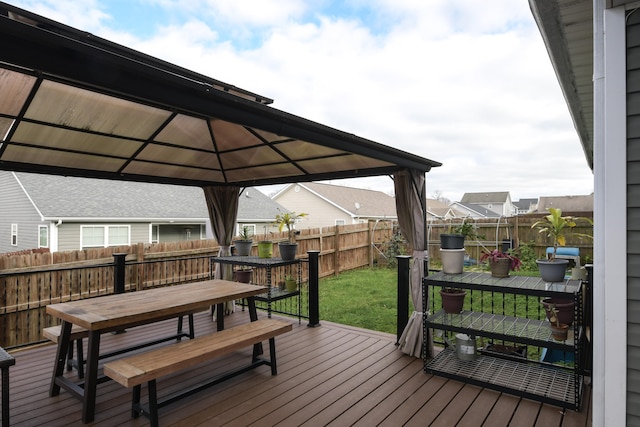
pixel 465 347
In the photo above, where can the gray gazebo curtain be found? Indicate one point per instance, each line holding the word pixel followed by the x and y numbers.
pixel 222 203
pixel 411 202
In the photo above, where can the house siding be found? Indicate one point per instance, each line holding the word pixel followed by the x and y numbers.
pixel 321 212
pixel 69 234
pixel 633 218
pixel 15 208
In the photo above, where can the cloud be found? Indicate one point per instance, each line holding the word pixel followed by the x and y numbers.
pixel 462 82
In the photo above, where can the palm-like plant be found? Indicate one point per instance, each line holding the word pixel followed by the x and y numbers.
pixel 288 219
pixel 558 227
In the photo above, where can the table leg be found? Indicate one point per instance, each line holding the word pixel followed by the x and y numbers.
pixel 91 378
pixel 253 315
pixel 61 357
pixel 220 316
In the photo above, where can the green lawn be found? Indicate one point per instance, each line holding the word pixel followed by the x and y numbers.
pixel 366 298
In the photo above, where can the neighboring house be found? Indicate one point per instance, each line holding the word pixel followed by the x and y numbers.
pixel 498 202
pixel 566 203
pixel 473 211
pixel 525 206
pixel 593 46
pixel 440 210
pixel 328 205
pixel 68 213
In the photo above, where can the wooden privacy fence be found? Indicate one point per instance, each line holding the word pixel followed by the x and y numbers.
pixel 513 231
pixel 28 282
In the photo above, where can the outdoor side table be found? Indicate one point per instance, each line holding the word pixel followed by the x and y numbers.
pixel 6 360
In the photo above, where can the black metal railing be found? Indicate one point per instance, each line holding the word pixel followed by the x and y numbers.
pixel 25 292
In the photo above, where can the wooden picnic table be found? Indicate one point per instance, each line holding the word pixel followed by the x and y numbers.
pixel 120 311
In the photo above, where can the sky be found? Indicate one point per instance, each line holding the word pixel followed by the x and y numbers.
pixel 463 82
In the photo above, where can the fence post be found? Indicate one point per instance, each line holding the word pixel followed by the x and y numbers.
pixel 403 295
pixel 118 272
pixel 314 294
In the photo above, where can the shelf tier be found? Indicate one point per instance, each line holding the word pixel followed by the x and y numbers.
pixel 501 327
pixel 526 285
pixel 254 261
pixel 534 381
pixel 276 295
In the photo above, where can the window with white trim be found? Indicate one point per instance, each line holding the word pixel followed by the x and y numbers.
pixel 340 222
pixel 43 236
pixel 14 234
pixel 155 233
pixel 102 236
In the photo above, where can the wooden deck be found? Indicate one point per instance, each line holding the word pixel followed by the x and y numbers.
pixel 330 375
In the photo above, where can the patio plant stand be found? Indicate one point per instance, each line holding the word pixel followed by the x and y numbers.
pixel 269 265
pixel 533 379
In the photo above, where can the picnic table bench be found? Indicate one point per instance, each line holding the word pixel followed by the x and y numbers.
pixel 133 371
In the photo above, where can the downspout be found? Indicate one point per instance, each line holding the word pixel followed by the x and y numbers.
pixel 54 236
pixel 610 349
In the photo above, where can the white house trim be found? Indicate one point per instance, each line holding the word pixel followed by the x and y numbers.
pixel 610 233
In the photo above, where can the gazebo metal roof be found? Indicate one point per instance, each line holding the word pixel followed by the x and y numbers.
pixel 74 104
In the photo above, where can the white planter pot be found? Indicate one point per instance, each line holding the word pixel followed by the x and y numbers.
pixel 452 260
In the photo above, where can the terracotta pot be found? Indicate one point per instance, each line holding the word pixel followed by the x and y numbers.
pixel 243 276
pixel 452 302
pixel 561 332
pixel 500 267
pixel 564 307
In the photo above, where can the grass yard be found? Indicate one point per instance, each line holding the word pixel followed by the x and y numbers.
pixel 366 298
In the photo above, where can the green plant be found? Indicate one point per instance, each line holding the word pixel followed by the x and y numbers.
pixel 396 246
pixel 288 219
pixel 466 228
pixel 558 227
pixel 495 255
pixel 527 255
pixel 245 233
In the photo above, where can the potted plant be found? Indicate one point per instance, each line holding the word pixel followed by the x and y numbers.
pixel 243 245
pixel 562 309
pixel 243 274
pixel 452 246
pixel 290 283
pixel 559 330
pixel 265 246
pixel 455 237
pixel 288 219
pixel 557 228
pixel 452 299
pixel 500 262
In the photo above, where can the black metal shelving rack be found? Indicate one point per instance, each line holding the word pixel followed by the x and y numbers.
pixel 273 293
pixel 524 377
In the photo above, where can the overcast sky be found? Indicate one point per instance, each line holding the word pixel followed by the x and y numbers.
pixel 467 83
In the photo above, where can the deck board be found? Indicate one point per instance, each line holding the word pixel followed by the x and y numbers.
pixel 329 375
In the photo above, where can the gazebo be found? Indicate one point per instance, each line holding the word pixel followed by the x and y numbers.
pixel 75 104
